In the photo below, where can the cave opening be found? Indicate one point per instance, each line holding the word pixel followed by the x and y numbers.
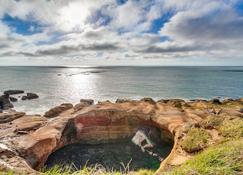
pixel 146 148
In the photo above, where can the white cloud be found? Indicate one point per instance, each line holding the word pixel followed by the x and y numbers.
pixel 85 29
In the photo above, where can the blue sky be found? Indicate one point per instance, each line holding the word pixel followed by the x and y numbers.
pixel 22 27
pixel 121 32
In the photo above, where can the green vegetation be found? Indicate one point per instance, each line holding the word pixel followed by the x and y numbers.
pixel 96 170
pixel 212 122
pixel 7 173
pixel 87 171
pixel 223 159
pixel 232 128
pixel 195 140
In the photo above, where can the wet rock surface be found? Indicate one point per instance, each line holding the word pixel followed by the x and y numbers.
pixel 13 92
pixel 5 102
pixel 30 96
pixel 13 99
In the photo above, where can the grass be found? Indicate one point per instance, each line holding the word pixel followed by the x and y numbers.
pixel 195 140
pixel 231 128
pixel 223 159
pixel 212 122
pixel 95 170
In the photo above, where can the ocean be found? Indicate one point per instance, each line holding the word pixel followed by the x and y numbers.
pixel 56 85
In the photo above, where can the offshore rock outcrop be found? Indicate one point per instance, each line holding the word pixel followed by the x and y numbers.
pixel 30 96
pixel 27 141
pixel 5 102
pixel 6 99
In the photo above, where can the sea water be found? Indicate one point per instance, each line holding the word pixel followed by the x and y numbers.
pixel 56 85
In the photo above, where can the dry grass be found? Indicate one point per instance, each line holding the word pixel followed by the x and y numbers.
pixel 223 159
pixel 196 139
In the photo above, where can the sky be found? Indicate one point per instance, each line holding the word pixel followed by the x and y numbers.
pixel 121 32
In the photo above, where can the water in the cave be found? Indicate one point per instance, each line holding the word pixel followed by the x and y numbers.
pixel 111 156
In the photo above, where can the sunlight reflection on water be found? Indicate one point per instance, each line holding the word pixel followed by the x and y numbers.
pixel 62 85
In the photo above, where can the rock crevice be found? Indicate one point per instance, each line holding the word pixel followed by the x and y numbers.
pixel 25 146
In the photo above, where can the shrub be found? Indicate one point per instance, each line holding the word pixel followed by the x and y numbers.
pixel 232 128
pixel 195 140
pixel 222 159
pixel 212 122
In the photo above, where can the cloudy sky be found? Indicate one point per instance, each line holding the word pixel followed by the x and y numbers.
pixel 121 32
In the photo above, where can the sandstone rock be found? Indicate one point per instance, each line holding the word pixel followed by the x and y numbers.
pixel 12 92
pixel 34 138
pixel 87 101
pixel 104 102
pixel 171 101
pixel 13 99
pixel 162 101
pixel 58 110
pixel 227 100
pixel 30 96
pixel 178 103
pixel 4 118
pixel 28 123
pixel 119 100
pixel 148 100
pixel 83 103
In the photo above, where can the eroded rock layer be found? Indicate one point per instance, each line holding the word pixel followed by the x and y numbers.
pixel 27 141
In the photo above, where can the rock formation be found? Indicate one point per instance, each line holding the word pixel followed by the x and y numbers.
pixel 27 141
pixel 5 102
pixel 13 99
pixel 30 96
pixel 13 92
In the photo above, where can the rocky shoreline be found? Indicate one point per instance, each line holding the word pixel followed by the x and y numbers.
pixel 6 99
pixel 27 141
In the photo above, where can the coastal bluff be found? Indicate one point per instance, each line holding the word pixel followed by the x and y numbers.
pixel 26 141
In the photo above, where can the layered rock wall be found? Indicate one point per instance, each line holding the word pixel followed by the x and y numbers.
pixel 27 141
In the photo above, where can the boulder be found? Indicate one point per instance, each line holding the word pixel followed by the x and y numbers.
pixel 30 96
pixel 216 101
pixel 148 100
pixel 13 99
pixel 54 112
pixel 228 100
pixel 4 118
pixel 83 103
pixel 12 92
pixel 5 102
pixel 171 101
pixel 119 100
pixel 104 102
pixel 87 101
